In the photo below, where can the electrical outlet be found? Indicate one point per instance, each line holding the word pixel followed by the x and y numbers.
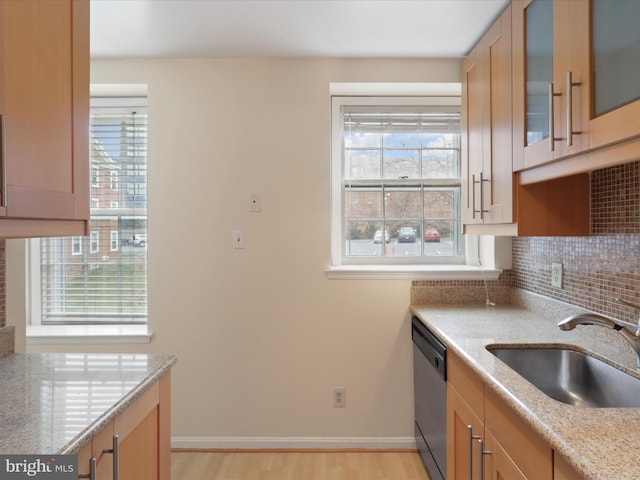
pixel 339 397
pixel 556 275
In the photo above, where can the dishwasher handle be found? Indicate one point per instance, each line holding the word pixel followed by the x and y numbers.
pixel 431 347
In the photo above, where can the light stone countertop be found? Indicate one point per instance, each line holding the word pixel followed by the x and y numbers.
pixel 600 443
pixel 53 403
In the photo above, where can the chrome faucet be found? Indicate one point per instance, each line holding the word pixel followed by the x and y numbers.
pixel 633 338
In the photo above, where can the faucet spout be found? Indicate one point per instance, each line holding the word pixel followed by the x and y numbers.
pixel 633 338
pixel 573 321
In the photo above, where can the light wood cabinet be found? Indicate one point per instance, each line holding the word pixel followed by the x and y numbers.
pixel 494 199
pixel 485 435
pixel 576 86
pixel 486 119
pixel 44 103
pixel 141 434
pixel 551 81
pixel 465 420
pixel 562 470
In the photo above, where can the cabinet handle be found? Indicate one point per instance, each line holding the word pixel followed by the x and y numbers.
pixel 3 160
pixel 552 123
pixel 473 196
pixel 470 438
pixel 92 470
pixel 482 211
pixel 116 456
pixel 481 453
pixel 570 85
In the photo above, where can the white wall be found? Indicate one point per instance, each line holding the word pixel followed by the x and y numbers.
pixel 260 334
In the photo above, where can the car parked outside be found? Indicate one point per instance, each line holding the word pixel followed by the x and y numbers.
pixel 406 235
pixel 139 239
pixel 431 234
pixel 377 237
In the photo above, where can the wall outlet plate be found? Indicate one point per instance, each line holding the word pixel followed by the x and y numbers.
pixel 556 275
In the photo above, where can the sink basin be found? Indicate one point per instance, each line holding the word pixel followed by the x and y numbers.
pixel 573 377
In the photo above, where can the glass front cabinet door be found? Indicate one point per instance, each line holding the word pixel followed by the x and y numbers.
pixel 576 77
pixel 615 115
pixel 551 80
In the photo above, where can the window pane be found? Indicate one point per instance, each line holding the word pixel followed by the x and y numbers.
pixel 365 239
pixel 401 164
pixel 362 164
pixel 102 278
pixel 401 140
pixel 361 139
pixel 402 203
pixel 441 237
pixel 363 203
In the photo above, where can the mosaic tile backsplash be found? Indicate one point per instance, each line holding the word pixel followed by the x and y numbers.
pixel 597 269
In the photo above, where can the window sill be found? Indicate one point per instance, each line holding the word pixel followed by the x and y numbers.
pixel 412 272
pixel 87 334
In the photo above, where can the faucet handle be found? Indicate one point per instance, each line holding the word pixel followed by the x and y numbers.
pixel 628 304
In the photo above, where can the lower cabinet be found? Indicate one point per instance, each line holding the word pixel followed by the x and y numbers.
pixel 562 470
pixel 136 444
pixel 486 440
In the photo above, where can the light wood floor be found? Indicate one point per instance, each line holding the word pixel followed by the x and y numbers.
pixel 297 466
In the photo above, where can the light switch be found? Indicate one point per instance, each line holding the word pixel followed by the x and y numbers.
pixel 255 203
pixel 238 239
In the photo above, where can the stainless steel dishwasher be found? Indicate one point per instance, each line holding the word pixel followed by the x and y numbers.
pixel 430 398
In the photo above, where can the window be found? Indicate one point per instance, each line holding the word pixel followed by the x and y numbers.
pixel 396 181
pixel 76 246
pixel 114 240
pixel 85 280
pixel 114 180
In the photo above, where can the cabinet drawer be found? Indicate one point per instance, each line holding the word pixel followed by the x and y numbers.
pixel 532 455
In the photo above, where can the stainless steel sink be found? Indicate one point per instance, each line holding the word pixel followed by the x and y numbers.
pixel 573 377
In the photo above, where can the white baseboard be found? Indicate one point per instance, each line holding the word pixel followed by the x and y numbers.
pixel 259 443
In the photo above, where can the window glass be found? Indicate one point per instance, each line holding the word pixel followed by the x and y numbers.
pixel 400 182
pixel 102 278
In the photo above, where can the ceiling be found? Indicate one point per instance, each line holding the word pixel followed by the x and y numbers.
pixel 288 28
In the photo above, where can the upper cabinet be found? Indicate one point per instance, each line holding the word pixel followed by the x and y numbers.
pixel 486 119
pixel 551 80
pixel 615 71
pixel 576 85
pixel 495 200
pixel 44 108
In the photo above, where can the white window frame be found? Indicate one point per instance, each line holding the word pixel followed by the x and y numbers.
pixel 94 241
pixel 113 180
pixel 114 240
pixel 398 94
pixel 76 241
pixel 88 333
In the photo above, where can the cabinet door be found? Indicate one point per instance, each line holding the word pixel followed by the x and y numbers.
pixel 526 448
pixel 139 450
pixel 84 460
pixel 102 450
pixel 463 430
pixel 551 83
pixel 497 464
pixel 497 151
pixel 616 71
pixel 562 470
pixel 45 88
pixel 473 90
pixel 486 117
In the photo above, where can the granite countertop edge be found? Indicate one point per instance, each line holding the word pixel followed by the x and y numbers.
pixel 564 427
pixel 99 423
